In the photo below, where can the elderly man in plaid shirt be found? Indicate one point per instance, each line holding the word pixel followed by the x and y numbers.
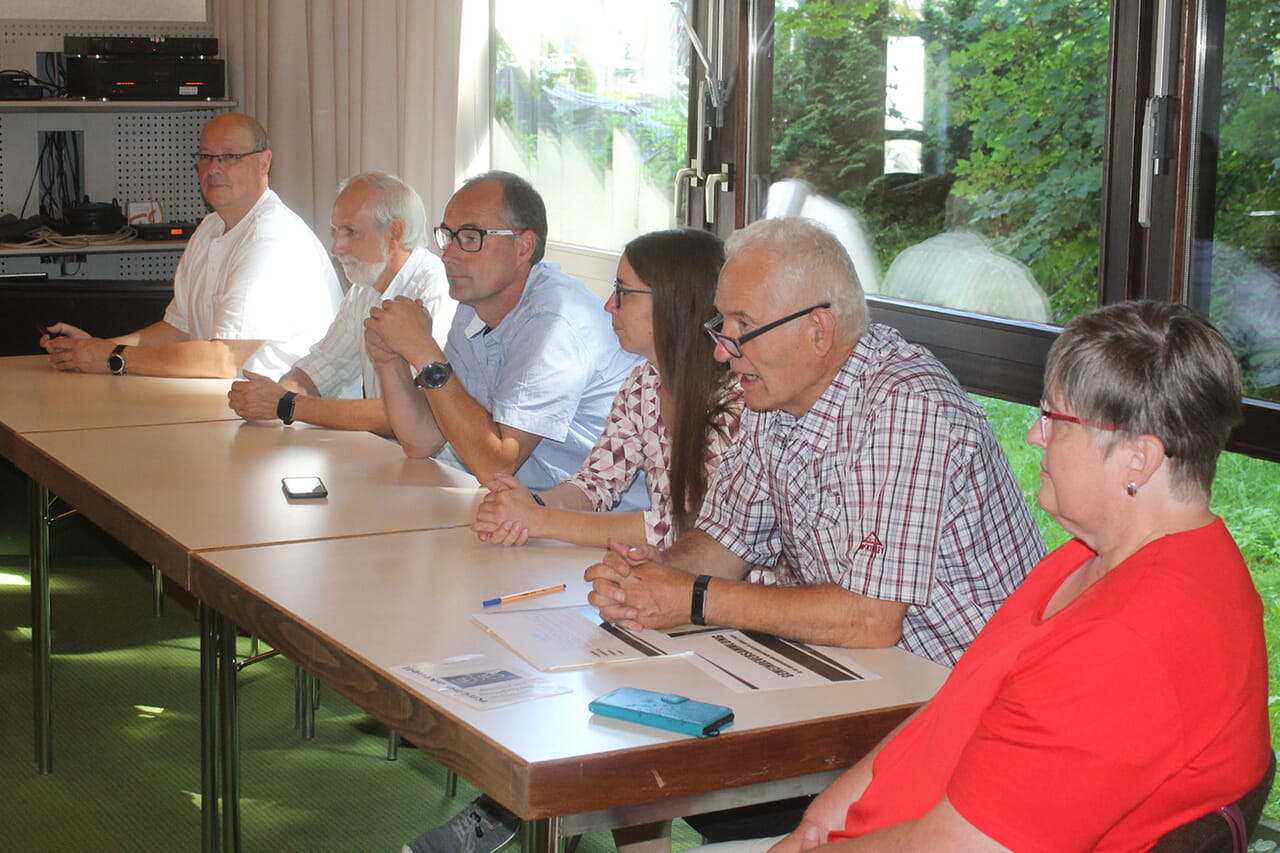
pixel 866 487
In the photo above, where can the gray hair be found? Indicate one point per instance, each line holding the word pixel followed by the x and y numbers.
pixel 524 206
pixel 1152 368
pixel 808 258
pixel 261 141
pixel 393 199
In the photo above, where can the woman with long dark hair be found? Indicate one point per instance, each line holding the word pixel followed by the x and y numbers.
pixel 672 420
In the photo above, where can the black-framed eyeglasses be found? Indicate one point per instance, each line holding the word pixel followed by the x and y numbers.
pixel 733 346
pixel 470 239
pixel 1046 416
pixel 618 290
pixel 203 159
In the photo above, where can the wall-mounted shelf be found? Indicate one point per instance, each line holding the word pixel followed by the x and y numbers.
pixel 77 105
pixel 131 150
pixel 114 248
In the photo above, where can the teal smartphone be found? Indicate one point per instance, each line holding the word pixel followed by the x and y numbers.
pixel 668 711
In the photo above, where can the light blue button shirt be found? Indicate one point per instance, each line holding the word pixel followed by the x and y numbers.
pixel 551 368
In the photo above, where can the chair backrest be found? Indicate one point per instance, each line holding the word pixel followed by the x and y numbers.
pixel 1218 832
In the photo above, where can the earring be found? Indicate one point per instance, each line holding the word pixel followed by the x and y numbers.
pixel 1131 488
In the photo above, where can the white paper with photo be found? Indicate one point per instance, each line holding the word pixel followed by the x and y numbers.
pixel 480 682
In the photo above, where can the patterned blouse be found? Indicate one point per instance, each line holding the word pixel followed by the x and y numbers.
pixel 636 439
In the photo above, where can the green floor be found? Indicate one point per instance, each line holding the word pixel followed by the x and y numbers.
pixel 125 725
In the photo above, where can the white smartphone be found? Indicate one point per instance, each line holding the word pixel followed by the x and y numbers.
pixel 304 487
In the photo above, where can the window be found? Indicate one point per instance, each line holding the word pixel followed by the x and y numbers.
pixel 591 104
pixel 996 168
pixel 1057 154
pixel 962 145
pixel 1235 252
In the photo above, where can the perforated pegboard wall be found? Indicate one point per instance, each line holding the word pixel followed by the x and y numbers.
pixel 153 161
pixel 148 266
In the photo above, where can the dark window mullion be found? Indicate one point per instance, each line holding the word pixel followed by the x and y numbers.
pixel 1124 242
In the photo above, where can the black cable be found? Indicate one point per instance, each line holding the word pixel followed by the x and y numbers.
pixel 59 175
pixel 66 174
pixel 49 202
pixel 22 214
pixel 74 182
pixel 52 70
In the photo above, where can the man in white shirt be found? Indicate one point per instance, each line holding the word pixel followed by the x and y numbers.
pixel 380 239
pixel 253 289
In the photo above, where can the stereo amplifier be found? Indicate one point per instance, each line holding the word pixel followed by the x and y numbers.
pixel 145 78
pixel 127 46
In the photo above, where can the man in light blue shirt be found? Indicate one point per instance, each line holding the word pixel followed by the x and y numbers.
pixel 525 381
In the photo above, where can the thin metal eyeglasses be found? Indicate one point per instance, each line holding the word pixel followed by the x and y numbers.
pixel 1046 416
pixel 470 239
pixel 733 346
pixel 203 159
pixel 618 290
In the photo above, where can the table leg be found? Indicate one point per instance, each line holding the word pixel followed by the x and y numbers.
pixel 41 645
pixel 157 593
pixel 230 743
pixel 310 687
pixel 542 836
pixel 209 723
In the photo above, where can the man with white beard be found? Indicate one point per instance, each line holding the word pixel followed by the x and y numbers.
pixel 379 238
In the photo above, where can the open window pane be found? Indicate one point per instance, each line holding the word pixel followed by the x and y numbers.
pixel 591 105
pixel 956 146
pixel 1238 251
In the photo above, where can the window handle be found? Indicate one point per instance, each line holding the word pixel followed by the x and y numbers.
pixel 722 181
pixel 685 178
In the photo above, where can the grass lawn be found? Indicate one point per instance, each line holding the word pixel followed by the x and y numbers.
pixel 1246 494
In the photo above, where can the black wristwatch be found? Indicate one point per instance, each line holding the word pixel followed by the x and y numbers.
pixel 434 375
pixel 115 361
pixel 284 408
pixel 697 607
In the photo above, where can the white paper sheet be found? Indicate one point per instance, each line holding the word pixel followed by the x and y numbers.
pixel 561 638
pixel 481 682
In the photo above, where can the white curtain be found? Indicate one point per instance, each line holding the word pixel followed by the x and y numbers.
pixel 348 85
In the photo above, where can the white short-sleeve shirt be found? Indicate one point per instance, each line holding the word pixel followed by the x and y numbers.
pixel 268 278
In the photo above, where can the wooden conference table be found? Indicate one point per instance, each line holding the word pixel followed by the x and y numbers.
pixel 350 610
pixel 36 399
pixel 167 469
pixel 367 579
